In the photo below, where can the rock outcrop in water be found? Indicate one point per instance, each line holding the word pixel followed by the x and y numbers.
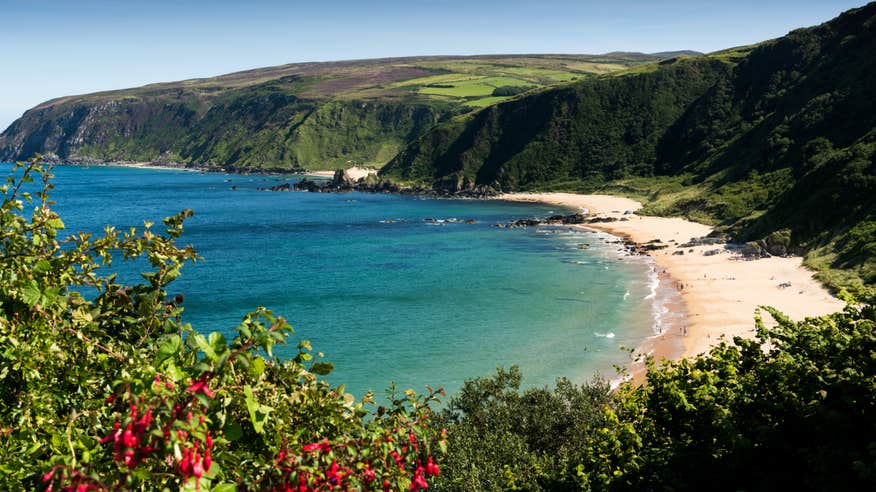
pixel 341 182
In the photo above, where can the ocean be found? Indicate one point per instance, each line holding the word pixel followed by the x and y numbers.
pixel 390 288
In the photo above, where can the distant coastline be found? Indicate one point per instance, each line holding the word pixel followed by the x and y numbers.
pixel 180 166
pixel 719 289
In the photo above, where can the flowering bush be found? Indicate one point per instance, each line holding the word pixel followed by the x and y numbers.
pixel 104 387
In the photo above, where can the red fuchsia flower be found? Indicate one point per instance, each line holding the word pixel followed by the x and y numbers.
pixel 197 465
pixel 386 485
pixel 281 456
pixel 200 386
pixel 128 439
pixel 432 468
pixel 323 446
pixel 112 435
pixel 192 464
pixel 309 448
pixel 419 482
pixel 368 474
pixel 333 475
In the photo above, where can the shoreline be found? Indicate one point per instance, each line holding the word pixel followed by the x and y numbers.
pixel 178 166
pixel 712 291
pixel 718 289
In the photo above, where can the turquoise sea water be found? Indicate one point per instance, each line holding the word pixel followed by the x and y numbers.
pixel 386 295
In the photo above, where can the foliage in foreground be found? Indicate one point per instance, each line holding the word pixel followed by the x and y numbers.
pixel 102 386
pixel 792 409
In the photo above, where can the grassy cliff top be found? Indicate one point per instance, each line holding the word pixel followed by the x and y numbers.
pixel 462 79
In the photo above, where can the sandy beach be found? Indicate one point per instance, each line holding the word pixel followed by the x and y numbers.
pixel 719 291
pixel 355 173
pixel 145 165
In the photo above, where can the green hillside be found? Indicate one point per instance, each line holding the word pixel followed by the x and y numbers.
pixel 773 142
pixel 314 115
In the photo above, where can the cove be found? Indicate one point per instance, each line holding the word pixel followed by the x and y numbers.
pixel 390 288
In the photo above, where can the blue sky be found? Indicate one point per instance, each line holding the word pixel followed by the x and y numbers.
pixel 51 48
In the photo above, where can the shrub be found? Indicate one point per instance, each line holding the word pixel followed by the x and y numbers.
pixel 103 386
pixel 510 90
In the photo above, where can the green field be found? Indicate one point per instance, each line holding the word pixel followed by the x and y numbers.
pixel 474 87
pixel 486 101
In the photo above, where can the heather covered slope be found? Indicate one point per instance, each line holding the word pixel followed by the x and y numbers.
pixel 772 142
pixel 315 115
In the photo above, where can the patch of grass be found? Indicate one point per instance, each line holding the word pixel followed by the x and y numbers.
pixel 445 78
pixel 822 260
pixel 733 55
pixel 472 88
pixel 638 69
pixel 539 75
pixel 486 101
pixel 595 67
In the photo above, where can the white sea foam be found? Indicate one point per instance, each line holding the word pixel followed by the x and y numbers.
pixel 604 335
pixel 653 283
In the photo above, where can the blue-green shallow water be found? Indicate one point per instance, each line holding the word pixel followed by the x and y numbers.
pixel 404 301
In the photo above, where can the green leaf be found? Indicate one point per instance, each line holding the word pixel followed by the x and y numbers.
pixel 258 413
pixel 31 293
pixel 322 368
pixel 217 343
pixel 232 431
pixel 257 367
pixel 224 487
pixel 55 223
pixel 43 266
pixel 194 485
pixel 171 275
pixel 168 349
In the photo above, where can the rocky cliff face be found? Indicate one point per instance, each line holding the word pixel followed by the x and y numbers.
pixel 124 128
